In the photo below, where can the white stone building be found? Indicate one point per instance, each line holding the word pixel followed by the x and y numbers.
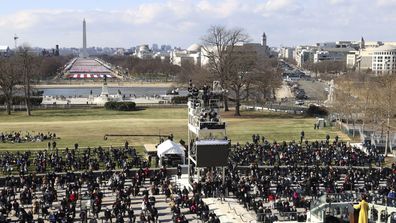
pixel 286 53
pixel 304 54
pixel 191 55
pixel 143 52
pixel 196 54
pixel 384 59
pixel 380 59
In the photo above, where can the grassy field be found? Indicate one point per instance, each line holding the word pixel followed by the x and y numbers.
pixel 88 126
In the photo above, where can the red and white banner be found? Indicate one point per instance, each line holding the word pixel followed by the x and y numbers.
pixel 89 76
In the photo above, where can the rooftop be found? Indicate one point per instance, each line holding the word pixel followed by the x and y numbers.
pixel 384 48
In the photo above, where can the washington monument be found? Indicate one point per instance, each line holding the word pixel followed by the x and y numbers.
pixel 84 52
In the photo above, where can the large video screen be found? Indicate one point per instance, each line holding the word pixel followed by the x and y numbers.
pixel 212 155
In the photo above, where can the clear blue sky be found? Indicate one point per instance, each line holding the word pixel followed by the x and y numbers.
pixel 125 23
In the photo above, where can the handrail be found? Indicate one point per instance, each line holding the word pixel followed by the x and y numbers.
pixel 349 196
pixel 338 204
pixel 233 209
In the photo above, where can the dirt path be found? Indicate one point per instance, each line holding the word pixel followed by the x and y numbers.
pixel 284 92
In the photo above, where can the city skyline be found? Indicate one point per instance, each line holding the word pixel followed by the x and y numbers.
pixel 124 23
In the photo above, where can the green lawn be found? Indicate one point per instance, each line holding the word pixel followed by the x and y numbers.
pixel 88 126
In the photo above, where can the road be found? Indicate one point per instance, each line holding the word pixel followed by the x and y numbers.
pixel 315 90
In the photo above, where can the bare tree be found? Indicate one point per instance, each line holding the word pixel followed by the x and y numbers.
pixel 51 66
pixel 8 80
pixel 251 71
pixel 199 75
pixel 265 80
pixel 342 106
pixel 218 46
pixel 386 85
pixel 327 69
pixel 239 77
pixel 28 68
pixel 368 98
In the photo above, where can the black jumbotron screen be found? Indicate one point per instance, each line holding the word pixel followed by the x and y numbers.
pixel 211 153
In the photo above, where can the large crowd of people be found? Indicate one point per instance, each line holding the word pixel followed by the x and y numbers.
pixel 286 177
pixel 107 196
pixel 273 180
pixel 75 159
pixel 326 153
pixel 73 185
pixel 20 137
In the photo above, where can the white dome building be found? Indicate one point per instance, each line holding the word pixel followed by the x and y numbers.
pixel 194 48
pixel 191 55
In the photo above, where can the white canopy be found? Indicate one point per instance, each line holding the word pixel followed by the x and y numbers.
pixel 170 147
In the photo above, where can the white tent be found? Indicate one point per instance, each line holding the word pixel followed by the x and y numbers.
pixel 170 147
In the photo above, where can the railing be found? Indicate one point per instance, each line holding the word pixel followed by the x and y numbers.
pixel 278 108
pixel 281 216
pixel 351 197
pixel 230 208
pixel 381 209
pixel 169 171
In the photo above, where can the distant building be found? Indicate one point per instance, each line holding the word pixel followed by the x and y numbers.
pixel 264 40
pixel 155 48
pixel 164 56
pixel 332 54
pixel 344 51
pixel 286 53
pixel 196 54
pixel 384 59
pixel 327 44
pixel 304 54
pixel 191 55
pixel 166 47
pixel 120 52
pixel 143 52
pixel 375 56
pixel 372 44
pixel 4 50
pixel 247 49
pixel 56 53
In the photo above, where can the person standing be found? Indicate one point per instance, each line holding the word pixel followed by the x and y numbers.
pixel 363 207
pixel 179 171
pixel 302 135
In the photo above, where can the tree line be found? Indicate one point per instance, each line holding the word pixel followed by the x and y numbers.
pixel 367 99
pixel 327 69
pixel 244 73
pixel 23 68
pixel 144 68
